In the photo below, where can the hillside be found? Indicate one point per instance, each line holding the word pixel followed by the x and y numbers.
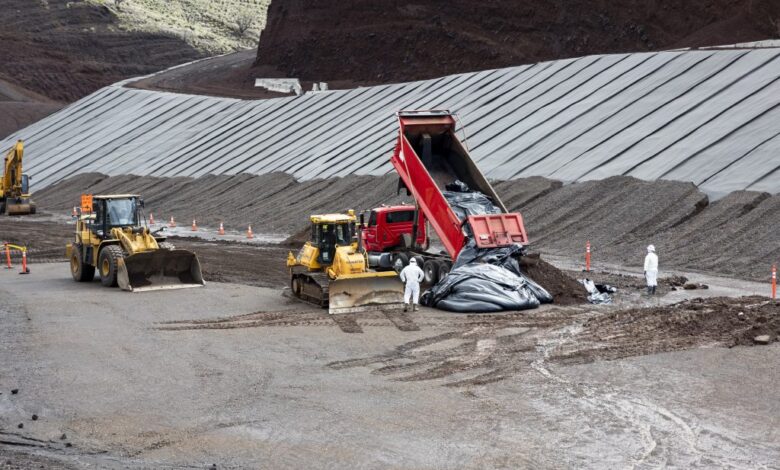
pixel 210 26
pixel 376 42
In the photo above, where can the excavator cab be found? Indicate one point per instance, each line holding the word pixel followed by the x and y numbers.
pixel 112 237
pixel 331 269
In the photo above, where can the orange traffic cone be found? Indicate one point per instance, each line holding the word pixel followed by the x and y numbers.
pixel 249 233
pixel 172 223
pixel 25 269
pixel 221 229
pixel 74 214
pixel 151 219
pixel 194 226
pixel 8 257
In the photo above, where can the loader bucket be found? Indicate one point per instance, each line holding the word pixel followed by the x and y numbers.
pixel 20 208
pixel 365 292
pixel 159 269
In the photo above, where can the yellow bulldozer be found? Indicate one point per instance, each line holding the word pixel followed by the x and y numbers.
pixel 331 270
pixel 15 185
pixel 112 236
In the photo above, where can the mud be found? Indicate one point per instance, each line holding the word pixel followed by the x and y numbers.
pixel 512 343
pixel 374 42
pixel 719 321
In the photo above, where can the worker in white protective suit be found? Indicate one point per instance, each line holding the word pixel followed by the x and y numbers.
pixel 651 269
pixel 412 276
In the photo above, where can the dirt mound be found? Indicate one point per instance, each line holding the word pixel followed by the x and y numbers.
pixel 620 216
pixel 718 321
pixel 374 42
pixel 273 203
pixel 564 289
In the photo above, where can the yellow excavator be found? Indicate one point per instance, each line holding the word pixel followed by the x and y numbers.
pixel 112 236
pixel 331 270
pixel 15 185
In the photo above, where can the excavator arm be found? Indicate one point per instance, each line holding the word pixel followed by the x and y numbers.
pixel 11 184
pixel 14 184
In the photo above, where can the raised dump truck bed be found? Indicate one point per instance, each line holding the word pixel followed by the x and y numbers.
pixel 428 156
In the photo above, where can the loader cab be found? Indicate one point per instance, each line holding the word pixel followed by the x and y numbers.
pixel 115 211
pixel 329 232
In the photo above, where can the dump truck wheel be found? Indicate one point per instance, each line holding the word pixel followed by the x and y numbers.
pixel 81 272
pixel 400 260
pixel 431 271
pixel 108 262
pixel 166 246
pixel 444 269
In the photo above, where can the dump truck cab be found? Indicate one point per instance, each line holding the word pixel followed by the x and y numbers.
pixel 112 237
pixel 387 227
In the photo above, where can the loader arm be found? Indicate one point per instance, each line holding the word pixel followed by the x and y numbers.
pixel 135 241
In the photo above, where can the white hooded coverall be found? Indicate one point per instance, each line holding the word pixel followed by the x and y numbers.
pixel 412 276
pixel 651 267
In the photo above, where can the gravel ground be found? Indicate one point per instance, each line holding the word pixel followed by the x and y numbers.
pixel 240 376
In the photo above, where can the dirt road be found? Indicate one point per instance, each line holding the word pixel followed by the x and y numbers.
pixel 160 380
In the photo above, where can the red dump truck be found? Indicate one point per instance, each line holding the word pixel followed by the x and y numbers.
pixel 428 157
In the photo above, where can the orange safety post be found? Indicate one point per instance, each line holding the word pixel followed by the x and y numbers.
pixel 221 229
pixel 587 256
pixel 24 270
pixel 194 226
pixel 774 281
pixel 172 223
pixel 151 219
pixel 8 256
pixel 249 233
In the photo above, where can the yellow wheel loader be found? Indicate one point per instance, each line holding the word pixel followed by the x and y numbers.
pixel 15 185
pixel 112 237
pixel 331 270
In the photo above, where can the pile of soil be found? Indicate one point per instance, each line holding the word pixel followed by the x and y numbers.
pixel 379 42
pixel 272 203
pixel 564 288
pixel 718 321
pixel 620 215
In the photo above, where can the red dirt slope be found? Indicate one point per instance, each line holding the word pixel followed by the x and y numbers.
pixel 374 41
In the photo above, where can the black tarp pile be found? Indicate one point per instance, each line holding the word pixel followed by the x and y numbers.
pixel 483 279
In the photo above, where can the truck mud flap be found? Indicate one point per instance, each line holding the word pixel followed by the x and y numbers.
pixel 382 291
pixel 158 270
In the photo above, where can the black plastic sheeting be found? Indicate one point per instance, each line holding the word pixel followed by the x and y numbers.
pixel 483 280
pixel 598 293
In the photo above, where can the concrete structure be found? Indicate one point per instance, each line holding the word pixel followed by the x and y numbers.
pixel 710 117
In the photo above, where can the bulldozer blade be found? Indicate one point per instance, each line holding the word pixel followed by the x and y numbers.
pixel 365 293
pixel 159 269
